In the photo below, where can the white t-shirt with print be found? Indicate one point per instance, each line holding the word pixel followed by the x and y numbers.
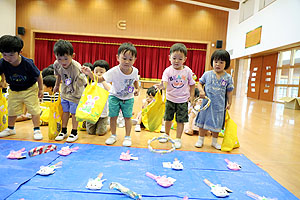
pixel 122 84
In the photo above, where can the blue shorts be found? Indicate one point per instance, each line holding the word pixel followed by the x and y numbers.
pixel 115 104
pixel 69 106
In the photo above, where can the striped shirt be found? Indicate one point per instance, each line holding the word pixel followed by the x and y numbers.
pixel 47 97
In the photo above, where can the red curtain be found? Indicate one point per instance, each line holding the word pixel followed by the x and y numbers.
pixel 152 55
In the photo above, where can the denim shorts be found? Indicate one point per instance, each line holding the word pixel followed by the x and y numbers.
pixel 115 104
pixel 69 106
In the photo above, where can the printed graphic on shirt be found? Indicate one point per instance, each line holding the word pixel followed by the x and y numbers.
pixel 127 89
pixel 177 81
pixel 18 78
pixel 68 81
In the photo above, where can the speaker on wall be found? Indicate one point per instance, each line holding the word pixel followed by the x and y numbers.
pixel 219 44
pixel 21 30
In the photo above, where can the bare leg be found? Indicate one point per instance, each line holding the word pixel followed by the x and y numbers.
pixel 65 119
pixel 128 125
pixel 202 132
pixel 168 125
pixel 113 125
pixel 74 122
pixel 179 130
pixel 11 120
pixel 36 120
pixel 139 118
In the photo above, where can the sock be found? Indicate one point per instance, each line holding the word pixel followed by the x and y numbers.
pixel 64 130
pixel 11 127
pixel 36 128
pixel 214 140
pixel 201 138
pixel 74 132
pixel 127 137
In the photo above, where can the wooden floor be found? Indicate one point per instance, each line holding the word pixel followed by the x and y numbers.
pixel 269 135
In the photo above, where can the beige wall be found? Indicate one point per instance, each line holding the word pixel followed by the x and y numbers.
pixel 152 19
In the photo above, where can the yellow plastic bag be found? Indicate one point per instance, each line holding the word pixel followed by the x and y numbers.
pixel 230 140
pixel 3 112
pixel 54 118
pixel 81 126
pixel 91 103
pixel 153 114
pixel 45 109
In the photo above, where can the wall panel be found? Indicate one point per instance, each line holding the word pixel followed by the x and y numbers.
pixel 155 19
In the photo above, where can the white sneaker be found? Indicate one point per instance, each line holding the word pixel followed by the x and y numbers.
pixel 7 132
pixel 177 143
pixel 37 135
pixel 127 141
pixel 216 146
pixel 164 140
pixel 72 138
pixel 134 121
pixel 60 136
pixel 163 129
pixel 199 143
pixel 137 128
pixel 112 139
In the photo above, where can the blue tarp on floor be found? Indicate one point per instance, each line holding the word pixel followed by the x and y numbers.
pixel 69 181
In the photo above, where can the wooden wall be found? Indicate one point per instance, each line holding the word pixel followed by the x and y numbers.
pixel 145 19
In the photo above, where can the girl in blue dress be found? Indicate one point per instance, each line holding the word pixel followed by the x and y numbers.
pixel 217 85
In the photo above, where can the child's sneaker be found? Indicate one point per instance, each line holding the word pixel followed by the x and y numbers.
pixel 127 141
pixel 112 139
pixel 7 132
pixel 72 138
pixel 163 129
pixel 137 128
pixel 37 135
pixel 177 143
pixel 164 140
pixel 134 121
pixel 61 136
pixel 216 146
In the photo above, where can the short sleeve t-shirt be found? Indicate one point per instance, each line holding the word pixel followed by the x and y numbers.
pixel 22 76
pixel 122 84
pixel 73 81
pixel 179 81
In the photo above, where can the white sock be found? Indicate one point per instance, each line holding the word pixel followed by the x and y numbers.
pixel 201 138
pixel 215 144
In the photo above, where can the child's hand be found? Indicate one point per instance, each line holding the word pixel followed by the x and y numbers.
pixel 86 70
pixel 228 106
pixel 136 92
pixel 201 94
pixel 159 86
pixel 41 93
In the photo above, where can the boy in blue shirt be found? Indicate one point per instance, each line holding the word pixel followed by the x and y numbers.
pixel 25 83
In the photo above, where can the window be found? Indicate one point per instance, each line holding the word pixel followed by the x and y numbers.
pixel 265 3
pixel 287 82
pixel 286 57
pixel 297 56
pixel 247 9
